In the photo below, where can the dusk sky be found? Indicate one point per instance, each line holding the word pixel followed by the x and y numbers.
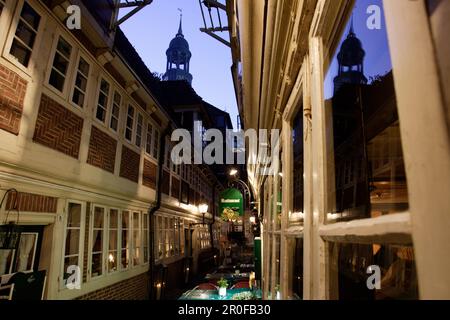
pixel 152 29
pixel 375 43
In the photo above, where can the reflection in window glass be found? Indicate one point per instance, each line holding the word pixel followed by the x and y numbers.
pixel 348 272
pixel 360 102
pixel 295 284
pixel 296 217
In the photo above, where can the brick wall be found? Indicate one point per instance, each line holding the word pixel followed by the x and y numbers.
pixel 58 128
pixel 129 164
pixel 31 202
pixel 12 94
pixel 149 174
pixel 102 150
pixel 135 288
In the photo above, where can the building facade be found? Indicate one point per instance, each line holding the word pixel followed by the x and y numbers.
pixel 359 91
pixel 81 133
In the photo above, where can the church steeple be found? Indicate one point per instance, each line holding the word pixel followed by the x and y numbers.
pixel 178 57
pixel 351 61
pixel 180 29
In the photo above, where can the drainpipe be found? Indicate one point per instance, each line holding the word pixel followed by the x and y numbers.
pixel 213 216
pixel 156 206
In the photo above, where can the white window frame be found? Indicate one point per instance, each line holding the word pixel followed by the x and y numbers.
pixel 155 144
pixel 133 253
pixel 130 256
pixel 12 32
pixel 149 136
pixel 65 90
pixel 108 102
pixel 118 231
pixel 129 105
pixel 139 130
pixel 90 242
pixel 113 105
pixel 145 230
pixel 75 74
pixel 316 233
pixel 81 240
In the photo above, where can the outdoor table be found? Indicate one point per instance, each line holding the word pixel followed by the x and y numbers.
pixel 214 294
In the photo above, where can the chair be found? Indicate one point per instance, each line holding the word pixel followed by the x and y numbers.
pixel 241 285
pixel 6 292
pixel 206 286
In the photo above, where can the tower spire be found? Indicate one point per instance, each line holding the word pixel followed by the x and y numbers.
pixel 352 29
pixel 180 28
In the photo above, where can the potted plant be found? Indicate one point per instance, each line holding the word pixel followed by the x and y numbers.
pixel 223 284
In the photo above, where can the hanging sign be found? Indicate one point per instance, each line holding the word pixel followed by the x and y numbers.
pixel 231 204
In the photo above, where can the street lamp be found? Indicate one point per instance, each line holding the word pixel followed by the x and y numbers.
pixel 233 172
pixel 203 209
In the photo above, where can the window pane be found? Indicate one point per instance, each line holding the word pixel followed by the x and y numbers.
pixel 136 221
pixel 295 284
pixel 64 48
pixel 26 34
pixel 112 261
pixel 125 258
pixel 57 80
pixel 114 124
pixel 113 240
pixel 113 218
pixel 81 82
pixel 349 264
pixel 98 217
pixel 25 254
pixel 78 97
pixel 30 16
pixel 125 219
pixel 72 242
pixel 83 67
pixel 74 215
pixel 96 264
pixel 365 149
pixel 296 217
pixel 20 52
pixel 97 240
